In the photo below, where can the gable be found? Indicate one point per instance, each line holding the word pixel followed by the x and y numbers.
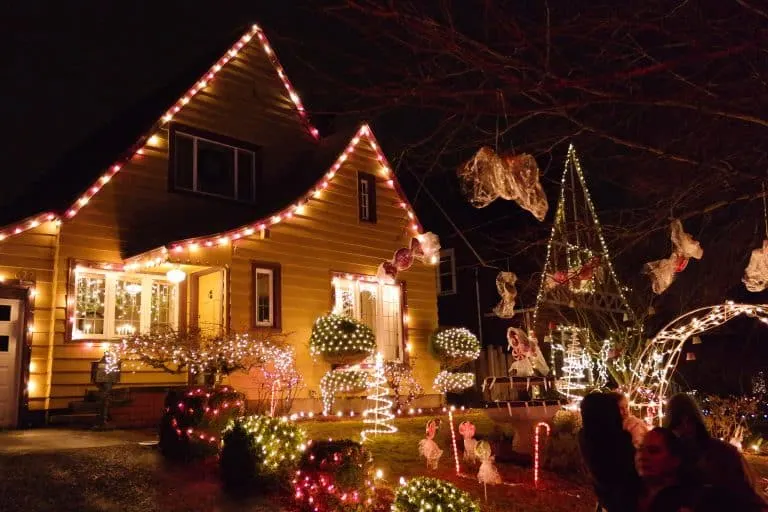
pixel 250 64
pixel 364 149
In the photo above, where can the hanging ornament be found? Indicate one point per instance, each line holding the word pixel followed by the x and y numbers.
pixel 505 285
pixel 756 273
pixel 403 259
pixel 528 357
pixel 696 340
pixel 428 447
pixel 662 272
pixel 690 356
pixel 488 176
pixel 576 278
pixel 426 247
pixel 467 431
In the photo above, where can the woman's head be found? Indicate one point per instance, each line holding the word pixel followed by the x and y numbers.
pixel 684 417
pixel 623 402
pixel 660 457
pixel 600 414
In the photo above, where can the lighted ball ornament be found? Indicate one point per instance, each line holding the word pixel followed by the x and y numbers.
pixel 430 494
pixel 342 340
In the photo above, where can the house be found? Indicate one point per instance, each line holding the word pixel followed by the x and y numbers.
pixel 229 211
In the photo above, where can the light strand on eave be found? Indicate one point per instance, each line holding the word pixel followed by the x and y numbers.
pixel 138 147
pixel 160 255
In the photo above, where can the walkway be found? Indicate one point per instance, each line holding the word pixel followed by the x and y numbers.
pixel 55 439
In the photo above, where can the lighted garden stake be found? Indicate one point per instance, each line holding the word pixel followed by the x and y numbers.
pixel 453 440
pixel 536 447
pixel 275 385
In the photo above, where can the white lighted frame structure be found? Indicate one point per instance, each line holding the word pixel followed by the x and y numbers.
pixel 653 371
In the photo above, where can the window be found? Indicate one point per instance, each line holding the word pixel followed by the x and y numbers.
pixel 212 165
pixel 266 295
pixel 366 197
pixel 112 304
pixel 379 306
pixel 446 273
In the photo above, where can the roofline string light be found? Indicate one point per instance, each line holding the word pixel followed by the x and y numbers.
pixel 149 138
pixel 297 209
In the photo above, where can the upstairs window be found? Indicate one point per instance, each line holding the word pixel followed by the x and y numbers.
pixel 212 165
pixel 446 273
pixel 377 305
pixel 366 197
pixel 108 305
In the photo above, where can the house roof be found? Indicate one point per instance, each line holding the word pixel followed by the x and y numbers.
pixel 90 167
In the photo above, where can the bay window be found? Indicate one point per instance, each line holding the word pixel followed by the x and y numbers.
pixel 108 305
pixel 379 306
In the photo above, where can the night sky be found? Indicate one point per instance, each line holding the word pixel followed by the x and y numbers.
pixel 69 67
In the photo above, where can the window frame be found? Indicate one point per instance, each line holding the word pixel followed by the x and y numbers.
pixel 236 145
pixel 370 197
pixel 275 271
pixel 111 277
pixel 450 254
pixel 371 280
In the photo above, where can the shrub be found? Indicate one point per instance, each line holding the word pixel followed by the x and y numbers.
pixel 432 494
pixel 193 419
pixel 341 340
pixel 335 475
pixel 260 448
pixel 455 346
pixel 562 454
pixel 341 381
pixel 453 382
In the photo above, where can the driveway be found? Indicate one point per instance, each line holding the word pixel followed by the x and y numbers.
pixel 56 439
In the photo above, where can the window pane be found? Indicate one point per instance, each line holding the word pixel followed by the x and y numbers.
pixel 183 148
pixel 445 265
pixel 162 313
pixel 5 313
pixel 90 290
pixel 215 169
pixel 391 323
pixel 446 283
pixel 127 307
pixel 368 306
pixel 263 296
pixel 245 176
pixel 344 298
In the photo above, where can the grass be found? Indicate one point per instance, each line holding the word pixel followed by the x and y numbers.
pixel 397 455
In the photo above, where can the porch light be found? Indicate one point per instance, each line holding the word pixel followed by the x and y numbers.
pixel 176 275
pixel 133 289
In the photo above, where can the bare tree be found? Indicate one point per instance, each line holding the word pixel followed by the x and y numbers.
pixel 666 101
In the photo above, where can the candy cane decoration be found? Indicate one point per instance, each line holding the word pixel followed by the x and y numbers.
pixel 536 451
pixel 275 384
pixel 453 439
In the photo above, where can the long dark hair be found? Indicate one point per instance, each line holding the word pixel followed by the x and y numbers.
pixel 681 407
pixel 600 416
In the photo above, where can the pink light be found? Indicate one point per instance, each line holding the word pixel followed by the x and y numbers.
pixel 453 440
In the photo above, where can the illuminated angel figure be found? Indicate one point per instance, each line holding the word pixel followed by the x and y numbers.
pixel 428 447
pixel 505 285
pixel 527 354
pixel 467 431
pixel 488 474
pixel 684 247
pixel 488 176
pixel 756 273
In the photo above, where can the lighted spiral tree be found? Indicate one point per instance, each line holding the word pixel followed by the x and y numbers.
pixel 379 419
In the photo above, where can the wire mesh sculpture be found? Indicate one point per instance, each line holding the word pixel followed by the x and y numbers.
pixel 505 285
pixel 488 176
pixel 756 273
pixel 684 247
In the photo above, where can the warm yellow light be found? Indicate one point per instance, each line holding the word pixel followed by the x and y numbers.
pixel 31 387
pixel 434 260
pixel 176 275
pixel 300 210
pixel 317 193
pixel 409 347
pixel 32 367
pixel 154 140
pixel 379 474
pixel 406 319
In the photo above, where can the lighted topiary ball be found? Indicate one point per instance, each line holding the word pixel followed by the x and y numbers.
pixel 455 346
pixel 260 448
pixel 447 382
pixel 341 340
pixel 432 494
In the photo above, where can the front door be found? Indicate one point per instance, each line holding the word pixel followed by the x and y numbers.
pixel 210 302
pixel 10 336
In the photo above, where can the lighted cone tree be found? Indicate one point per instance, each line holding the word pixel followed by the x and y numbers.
pixel 378 419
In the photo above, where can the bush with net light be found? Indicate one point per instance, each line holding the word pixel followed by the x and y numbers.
pixel 341 340
pixel 456 382
pixel 432 494
pixel 259 448
pixel 335 475
pixel 455 346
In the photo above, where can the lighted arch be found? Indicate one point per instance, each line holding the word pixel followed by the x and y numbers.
pixel 653 371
